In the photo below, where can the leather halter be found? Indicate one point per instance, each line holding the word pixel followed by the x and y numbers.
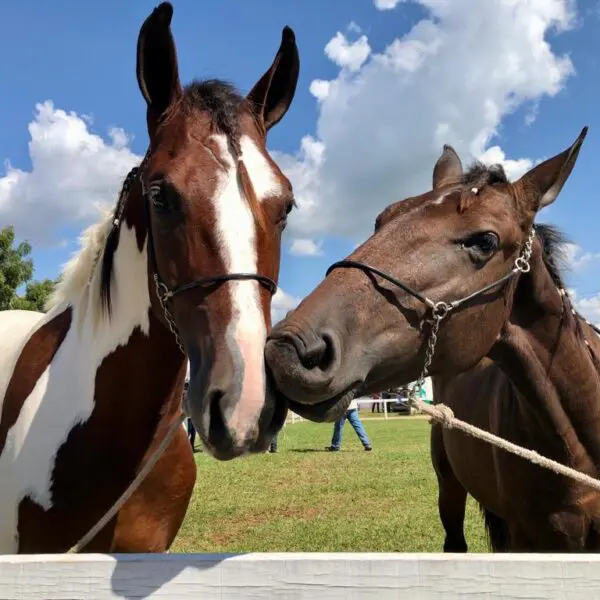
pixel 441 308
pixel 163 291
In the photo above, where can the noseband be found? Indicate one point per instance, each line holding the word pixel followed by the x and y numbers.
pixel 163 291
pixel 436 312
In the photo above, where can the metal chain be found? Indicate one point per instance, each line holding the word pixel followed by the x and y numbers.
pixel 163 294
pixel 441 310
pixel 522 262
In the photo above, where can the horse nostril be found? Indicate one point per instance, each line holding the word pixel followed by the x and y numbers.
pixel 217 429
pixel 319 354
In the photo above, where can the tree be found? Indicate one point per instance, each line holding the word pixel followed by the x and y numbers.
pixel 36 295
pixel 15 268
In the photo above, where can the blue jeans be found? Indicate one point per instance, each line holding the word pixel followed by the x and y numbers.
pixel 352 416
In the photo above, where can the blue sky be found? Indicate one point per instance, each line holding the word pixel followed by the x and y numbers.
pixel 81 57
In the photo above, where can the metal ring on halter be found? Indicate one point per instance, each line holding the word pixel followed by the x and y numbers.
pixel 440 310
pixel 521 264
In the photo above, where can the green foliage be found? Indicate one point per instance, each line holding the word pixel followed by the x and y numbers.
pixel 17 269
pixel 36 295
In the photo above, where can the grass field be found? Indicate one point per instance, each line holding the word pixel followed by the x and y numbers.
pixel 305 499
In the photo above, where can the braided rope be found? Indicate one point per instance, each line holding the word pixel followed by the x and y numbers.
pixel 444 415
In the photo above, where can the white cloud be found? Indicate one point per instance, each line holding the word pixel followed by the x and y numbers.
pixel 514 168
pixel 305 247
pixel 319 88
pixel 282 303
pixel 345 54
pixel 73 172
pixel 588 306
pixel 577 259
pixel 386 4
pixel 451 79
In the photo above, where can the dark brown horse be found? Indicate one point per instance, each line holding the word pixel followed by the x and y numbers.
pixel 529 363
pixel 186 264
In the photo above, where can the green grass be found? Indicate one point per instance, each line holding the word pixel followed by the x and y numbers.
pixel 304 499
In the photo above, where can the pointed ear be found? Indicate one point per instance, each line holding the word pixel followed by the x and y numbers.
pixel 157 70
pixel 543 183
pixel 273 93
pixel 448 169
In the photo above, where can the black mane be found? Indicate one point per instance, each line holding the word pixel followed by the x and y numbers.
pixel 553 243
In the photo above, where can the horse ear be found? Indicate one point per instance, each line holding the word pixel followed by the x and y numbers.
pixel 544 182
pixel 448 169
pixel 274 92
pixel 157 70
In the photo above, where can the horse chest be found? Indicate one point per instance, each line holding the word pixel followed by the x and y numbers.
pixel 49 397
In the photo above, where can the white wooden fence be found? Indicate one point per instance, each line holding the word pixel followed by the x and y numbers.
pixel 300 576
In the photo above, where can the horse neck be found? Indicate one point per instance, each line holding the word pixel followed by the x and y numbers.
pixel 543 352
pixel 130 353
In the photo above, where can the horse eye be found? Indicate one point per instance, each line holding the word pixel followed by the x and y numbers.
pixel 282 221
pixel 483 243
pixel 159 197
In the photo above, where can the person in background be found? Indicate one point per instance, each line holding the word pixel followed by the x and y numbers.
pixel 354 418
pixel 191 430
pixel 273 446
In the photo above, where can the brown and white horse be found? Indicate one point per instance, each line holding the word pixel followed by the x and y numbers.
pixel 189 257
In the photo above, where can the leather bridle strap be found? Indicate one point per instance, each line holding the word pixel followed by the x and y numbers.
pixel 442 308
pixel 168 293
pixel 164 292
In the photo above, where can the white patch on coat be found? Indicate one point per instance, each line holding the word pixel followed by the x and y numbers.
pixel 64 395
pixel 236 228
pixel 437 201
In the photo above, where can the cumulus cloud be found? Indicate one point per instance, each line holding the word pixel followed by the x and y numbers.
pixel 386 4
pixel 282 303
pixel 578 259
pixel 305 247
pixel 346 54
pixel 74 171
pixel 451 79
pixel 588 306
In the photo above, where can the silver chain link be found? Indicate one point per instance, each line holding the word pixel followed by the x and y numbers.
pixel 163 294
pixel 441 310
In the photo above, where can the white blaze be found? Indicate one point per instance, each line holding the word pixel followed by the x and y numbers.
pixel 236 229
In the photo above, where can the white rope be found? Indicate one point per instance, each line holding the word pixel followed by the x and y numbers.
pixel 133 486
pixel 444 415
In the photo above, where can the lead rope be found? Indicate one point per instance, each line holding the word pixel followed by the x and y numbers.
pixel 443 414
pixel 133 486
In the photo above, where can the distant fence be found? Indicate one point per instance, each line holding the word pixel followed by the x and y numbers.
pixel 300 577
pixel 294 418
